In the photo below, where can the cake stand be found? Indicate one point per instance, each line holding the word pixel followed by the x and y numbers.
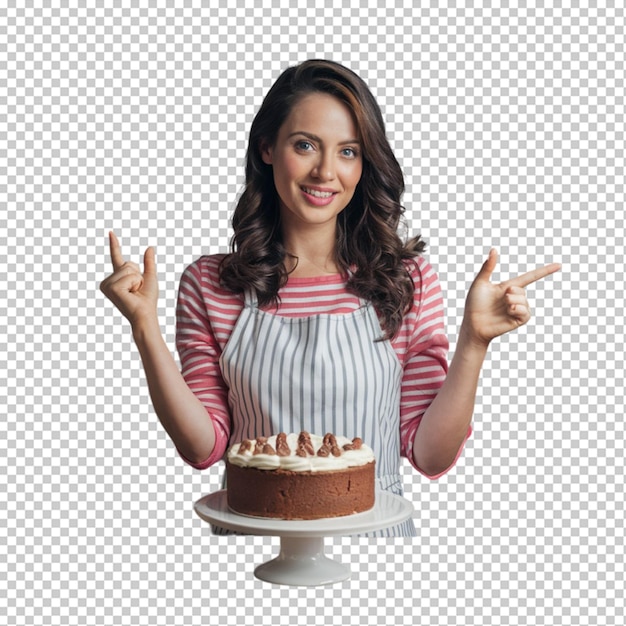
pixel 301 560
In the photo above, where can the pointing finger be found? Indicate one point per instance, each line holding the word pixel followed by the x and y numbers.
pixel 149 263
pixel 116 251
pixel 488 266
pixel 534 275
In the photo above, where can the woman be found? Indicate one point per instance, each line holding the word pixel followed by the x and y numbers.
pixel 321 318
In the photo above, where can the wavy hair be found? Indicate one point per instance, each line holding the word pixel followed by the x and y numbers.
pixel 369 250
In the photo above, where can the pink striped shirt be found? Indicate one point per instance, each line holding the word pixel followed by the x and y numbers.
pixel 206 315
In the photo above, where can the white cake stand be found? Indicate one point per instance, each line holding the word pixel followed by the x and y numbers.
pixel 301 560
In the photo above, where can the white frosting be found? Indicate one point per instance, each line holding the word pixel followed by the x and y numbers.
pixel 348 458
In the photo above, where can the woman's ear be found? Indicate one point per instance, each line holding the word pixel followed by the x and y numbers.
pixel 266 153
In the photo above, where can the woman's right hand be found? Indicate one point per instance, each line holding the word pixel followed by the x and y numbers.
pixel 133 293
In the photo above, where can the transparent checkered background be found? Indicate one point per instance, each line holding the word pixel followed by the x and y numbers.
pixel 509 124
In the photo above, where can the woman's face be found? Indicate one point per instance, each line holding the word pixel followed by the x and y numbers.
pixel 316 161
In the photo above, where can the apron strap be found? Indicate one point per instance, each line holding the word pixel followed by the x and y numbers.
pixel 250 298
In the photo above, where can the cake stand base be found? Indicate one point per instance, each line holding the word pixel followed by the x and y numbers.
pixel 302 562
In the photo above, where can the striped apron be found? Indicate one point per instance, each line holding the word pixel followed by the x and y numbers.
pixel 323 373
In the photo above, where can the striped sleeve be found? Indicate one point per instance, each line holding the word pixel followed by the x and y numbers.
pixel 425 346
pixel 199 351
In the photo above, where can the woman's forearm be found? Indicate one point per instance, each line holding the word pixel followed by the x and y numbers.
pixel 180 412
pixel 136 294
pixel 445 423
pixel 491 309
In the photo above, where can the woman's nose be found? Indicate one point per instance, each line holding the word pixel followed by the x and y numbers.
pixel 325 168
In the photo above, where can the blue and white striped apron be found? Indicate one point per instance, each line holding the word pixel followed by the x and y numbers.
pixel 323 373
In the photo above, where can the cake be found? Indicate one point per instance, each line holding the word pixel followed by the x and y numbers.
pixel 300 476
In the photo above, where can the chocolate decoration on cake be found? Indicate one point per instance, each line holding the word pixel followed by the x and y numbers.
pixel 282 448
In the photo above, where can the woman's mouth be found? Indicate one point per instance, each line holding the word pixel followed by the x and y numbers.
pixel 318 197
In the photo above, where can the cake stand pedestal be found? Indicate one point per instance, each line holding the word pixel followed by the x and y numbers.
pixel 301 560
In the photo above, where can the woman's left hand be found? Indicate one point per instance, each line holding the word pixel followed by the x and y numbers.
pixel 492 309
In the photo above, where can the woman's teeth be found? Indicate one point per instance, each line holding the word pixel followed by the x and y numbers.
pixel 316 193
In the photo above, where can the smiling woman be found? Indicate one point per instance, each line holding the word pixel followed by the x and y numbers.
pixel 320 130
pixel 316 165
pixel 320 318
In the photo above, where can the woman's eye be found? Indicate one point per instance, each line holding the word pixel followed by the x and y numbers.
pixel 304 145
pixel 351 153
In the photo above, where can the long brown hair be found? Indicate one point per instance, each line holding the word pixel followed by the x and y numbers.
pixel 369 250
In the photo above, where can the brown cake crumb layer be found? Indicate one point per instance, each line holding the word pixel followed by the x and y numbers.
pixel 289 495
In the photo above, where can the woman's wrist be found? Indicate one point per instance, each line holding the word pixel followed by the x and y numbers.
pixel 471 341
pixel 145 329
